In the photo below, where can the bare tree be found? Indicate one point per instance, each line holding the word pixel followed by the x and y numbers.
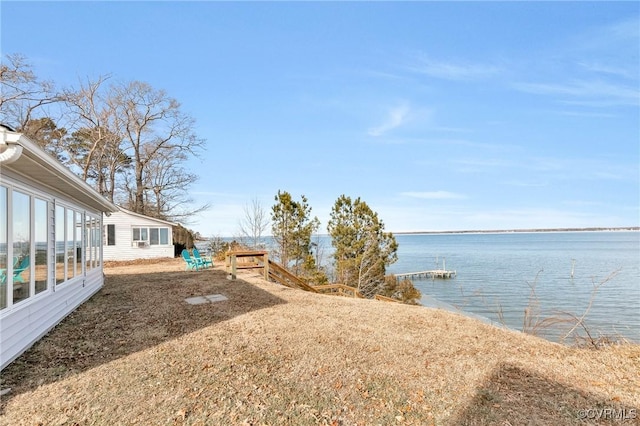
pixel 253 224
pixel 128 140
pixel 166 181
pixel 131 141
pixel 94 120
pixel 318 250
pixel 97 148
pixel 22 94
pixel 155 127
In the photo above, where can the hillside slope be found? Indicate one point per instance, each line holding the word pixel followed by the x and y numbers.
pixel 138 353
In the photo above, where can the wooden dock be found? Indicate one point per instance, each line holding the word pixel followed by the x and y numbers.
pixel 435 273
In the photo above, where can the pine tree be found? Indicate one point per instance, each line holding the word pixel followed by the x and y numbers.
pixel 362 249
pixel 292 227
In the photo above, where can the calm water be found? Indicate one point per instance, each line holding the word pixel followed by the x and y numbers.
pixel 496 274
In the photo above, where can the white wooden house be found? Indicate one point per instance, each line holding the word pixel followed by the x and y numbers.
pixel 129 236
pixel 50 243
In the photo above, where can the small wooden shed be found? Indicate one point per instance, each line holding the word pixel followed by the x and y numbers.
pixel 50 243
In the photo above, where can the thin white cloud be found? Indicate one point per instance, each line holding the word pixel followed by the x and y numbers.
pixel 453 71
pixel 396 117
pixel 403 218
pixel 484 165
pixel 434 195
pixel 460 142
pixel 608 70
pixel 597 89
pixel 582 203
pixel 586 114
pixel 530 218
pixel 627 29
pixel 622 33
pixel 475 164
pixel 525 183
pixel 581 169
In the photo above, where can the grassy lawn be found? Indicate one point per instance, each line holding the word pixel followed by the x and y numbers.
pixel 137 353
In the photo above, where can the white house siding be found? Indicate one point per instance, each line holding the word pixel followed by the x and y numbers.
pixel 33 318
pixel 25 322
pixel 36 174
pixel 125 248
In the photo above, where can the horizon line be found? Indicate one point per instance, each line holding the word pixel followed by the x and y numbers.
pixel 495 231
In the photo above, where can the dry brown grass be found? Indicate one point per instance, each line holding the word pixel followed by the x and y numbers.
pixel 137 353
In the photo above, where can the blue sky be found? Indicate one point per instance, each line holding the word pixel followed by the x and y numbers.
pixel 440 115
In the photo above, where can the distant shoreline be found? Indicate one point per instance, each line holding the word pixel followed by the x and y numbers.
pixel 495 231
pixel 510 231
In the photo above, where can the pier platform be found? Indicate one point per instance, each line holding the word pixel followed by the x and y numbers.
pixel 435 273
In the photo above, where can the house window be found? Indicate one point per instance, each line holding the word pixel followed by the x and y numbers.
pixel 31 231
pixel 110 235
pixel 78 242
pixel 21 246
pixel 70 244
pixel 60 246
pixel 24 243
pixel 3 247
pixel 93 241
pixel 42 244
pixel 96 243
pixel 140 234
pixel 150 236
pixel 154 236
pixel 69 250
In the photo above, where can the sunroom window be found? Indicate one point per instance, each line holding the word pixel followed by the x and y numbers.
pixel 21 246
pixel 3 247
pixel 69 248
pixel 24 246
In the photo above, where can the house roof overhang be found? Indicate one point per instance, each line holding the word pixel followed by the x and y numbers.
pixel 24 157
pixel 155 219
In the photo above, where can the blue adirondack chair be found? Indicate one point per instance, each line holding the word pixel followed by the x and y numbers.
pixel 203 261
pixel 20 268
pixel 3 271
pixel 191 263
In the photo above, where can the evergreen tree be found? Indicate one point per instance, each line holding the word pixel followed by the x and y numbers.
pixel 362 249
pixel 45 132
pixel 292 227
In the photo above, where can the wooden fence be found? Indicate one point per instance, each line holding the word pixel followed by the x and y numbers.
pixel 284 277
pixel 276 272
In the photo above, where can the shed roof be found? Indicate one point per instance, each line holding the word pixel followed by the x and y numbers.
pixel 142 216
pixel 24 157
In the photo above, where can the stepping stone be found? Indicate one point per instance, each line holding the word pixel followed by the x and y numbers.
pixel 216 297
pixel 199 300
